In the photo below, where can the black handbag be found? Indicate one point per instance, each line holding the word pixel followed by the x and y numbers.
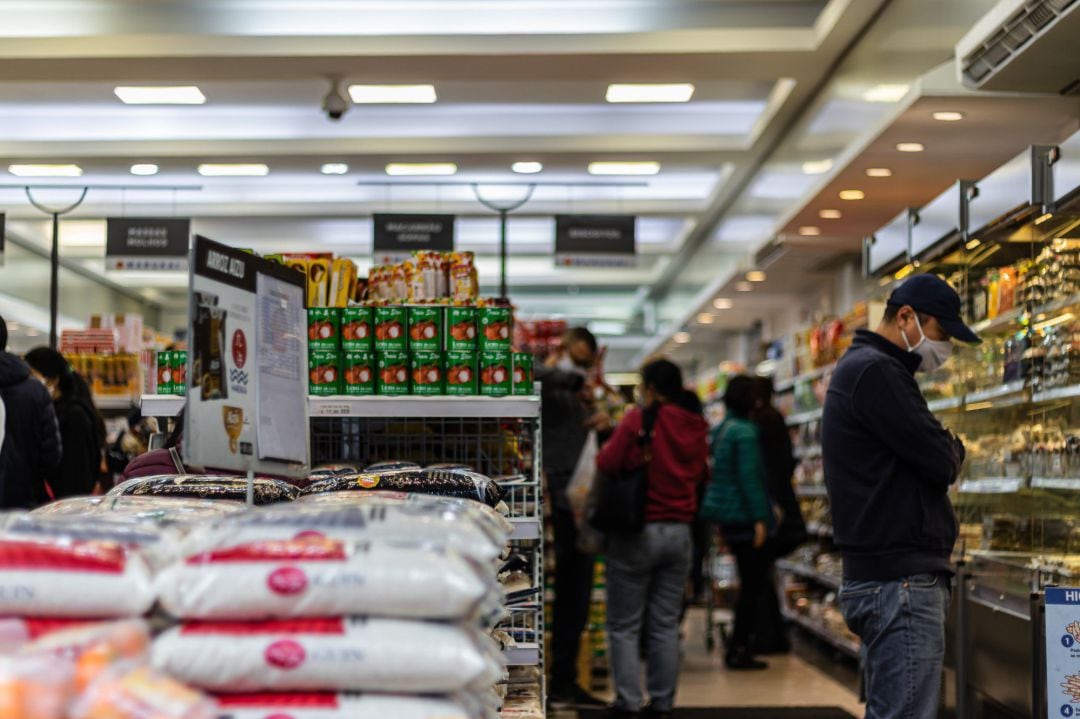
pixel 617 505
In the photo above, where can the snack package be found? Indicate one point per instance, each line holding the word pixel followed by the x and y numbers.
pixel 141 693
pixel 439 482
pixel 93 648
pixel 391 464
pixel 35 687
pixel 384 655
pixel 463 281
pixel 76 579
pixel 341 706
pixel 342 282
pixel 267 491
pixel 313 576
pixel 318 284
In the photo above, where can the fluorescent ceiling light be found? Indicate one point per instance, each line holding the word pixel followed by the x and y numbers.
pixel 624 168
pixel 878 172
pixel 973 243
pixel 809 231
pixel 755 276
pixel 606 327
pixel 45 170
pixel 743 286
pixel 392 94
pixel 948 116
pixel 161 95
pixel 681 337
pixel 705 318
pixel 830 214
pixel 723 303
pixel 527 168
pixel 910 146
pixel 250 169
pixel 334 168
pixel 817 167
pixel 144 168
pixel 852 194
pixel 676 92
pixel 405 169
pixel 885 93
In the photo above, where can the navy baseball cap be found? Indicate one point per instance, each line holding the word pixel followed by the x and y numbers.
pixel 933 296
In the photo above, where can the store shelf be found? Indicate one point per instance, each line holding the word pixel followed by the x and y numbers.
pixel 843 644
pixel 808 572
pixel 811 490
pixel 787 384
pixel 525 528
pixel 794 420
pixel 807 452
pixel 945 404
pixel 1071 391
pixel 1006 395
pixel 409 406
pixel 525 654
pixel 114 402
pixel 1001 322
pixel 1071 484
pixel 992 485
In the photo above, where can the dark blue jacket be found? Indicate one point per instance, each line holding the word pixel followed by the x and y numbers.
pixel 888 466
pixel 31 446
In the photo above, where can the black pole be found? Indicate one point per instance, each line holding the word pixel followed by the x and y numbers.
pixel 54 287
pixel 502 254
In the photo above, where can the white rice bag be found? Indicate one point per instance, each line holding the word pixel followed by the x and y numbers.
pixel 318 577
pixel 75 579
pixel 341 706
pixel 380 655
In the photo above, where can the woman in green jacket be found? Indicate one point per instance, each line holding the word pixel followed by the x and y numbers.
pixel 736 499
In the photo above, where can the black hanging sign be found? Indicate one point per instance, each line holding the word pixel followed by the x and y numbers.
pixel 398 236
pixel 146 243
pixel 595 240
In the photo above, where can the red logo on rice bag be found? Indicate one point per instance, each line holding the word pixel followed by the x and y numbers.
pixel 280 716
pixel 287 581
pixel 310 534
pixel 285 654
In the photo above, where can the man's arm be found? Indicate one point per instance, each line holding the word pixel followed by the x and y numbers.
pixel 891 406
pixel 48 430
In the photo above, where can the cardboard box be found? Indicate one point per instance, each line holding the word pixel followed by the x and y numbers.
pixel 461 373
pixel 358 329
pixel 393 373
pixel 428 377
pixel 425 329
pixel 523 373
pixel 358 372
pixel 495 329
pixel 324 329
pixel 496 374
pixel 391 329
pixel 324 373
pixel 461 329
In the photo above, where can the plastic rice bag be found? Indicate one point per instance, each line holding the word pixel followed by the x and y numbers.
pixel 267 491
pixel 383 655
pixel 342 706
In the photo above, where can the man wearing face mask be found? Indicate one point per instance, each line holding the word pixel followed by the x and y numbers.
pixel 888 467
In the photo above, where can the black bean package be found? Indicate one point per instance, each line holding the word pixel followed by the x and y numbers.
pixel 267 491
pixel 438 482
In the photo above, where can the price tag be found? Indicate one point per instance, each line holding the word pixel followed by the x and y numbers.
pixel 332 410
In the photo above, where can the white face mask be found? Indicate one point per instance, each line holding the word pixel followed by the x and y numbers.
pixel 566 364
pixel 934 353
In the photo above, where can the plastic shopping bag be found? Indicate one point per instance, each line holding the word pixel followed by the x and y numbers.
pixel 578 492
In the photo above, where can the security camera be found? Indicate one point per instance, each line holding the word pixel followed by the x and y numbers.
pixel 335 104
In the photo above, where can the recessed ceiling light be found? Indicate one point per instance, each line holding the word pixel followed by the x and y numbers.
pixel 405 169
pixel 644 92
pixel 527 168
pixel 809 231
pixel 723 303
pixel 817 167
pixel 334 168
pixel 624 168
pixel 755 276
pixel 910 146
pixel 852 194
pixel 45 170
pixel 160 95
pixel 973 243
pixel 705 318
pixel 948 116
pixel 878 172
pixel 830 214
pixel 885 93
pixel 681 337
pixel 144 168
pixel 743 286
pixel 235 169
pixel 392 94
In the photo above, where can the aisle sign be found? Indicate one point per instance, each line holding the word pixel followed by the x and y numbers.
pixel 396 237
pixel 146 243
pixel 247 364
pixel 1062 652
pixel 595 240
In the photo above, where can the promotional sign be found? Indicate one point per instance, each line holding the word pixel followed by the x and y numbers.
pixel 1062 651
pixel 146 243
pixel 396 237
pixel 595 240
pixel 247 364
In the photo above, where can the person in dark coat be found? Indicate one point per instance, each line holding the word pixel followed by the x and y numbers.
pixel 31 446
pixel 82 431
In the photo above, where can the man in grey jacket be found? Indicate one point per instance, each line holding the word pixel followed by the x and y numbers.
pixel 567 420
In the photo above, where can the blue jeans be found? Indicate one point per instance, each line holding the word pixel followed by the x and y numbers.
pixel 902 627
pixel 646 582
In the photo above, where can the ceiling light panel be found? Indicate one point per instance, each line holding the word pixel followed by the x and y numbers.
pixel 144 169
pixel 830 214
pixel 817 167
pixel 624 168
pixel 723 303
pixel 419 169
pixel 527 168
pixel 852 194
pixel 243 169
pixel 885 93
pixel 675 92
pixel 878 172
pixel 160 95
pixel 809 231
pixel 682 337
pixel 910 146
pixel 743 287
pixel 948 116
pixel 45 170
pixel 393 94
pixel 334 168
pixel 755 276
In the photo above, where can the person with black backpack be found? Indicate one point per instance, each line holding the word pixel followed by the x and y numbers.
pixel 647 570
pixel 31 447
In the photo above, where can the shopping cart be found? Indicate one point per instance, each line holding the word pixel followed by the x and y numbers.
pixel 721 584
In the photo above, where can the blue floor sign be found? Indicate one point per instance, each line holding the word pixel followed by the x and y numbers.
pixel 1063 652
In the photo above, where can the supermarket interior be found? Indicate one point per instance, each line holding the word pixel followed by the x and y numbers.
pixel 468 359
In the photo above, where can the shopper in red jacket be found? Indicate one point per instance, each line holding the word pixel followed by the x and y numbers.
pixel 647 572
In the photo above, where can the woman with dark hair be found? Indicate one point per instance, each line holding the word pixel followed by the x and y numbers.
pixel 737 500
pixel 82 430
pixel 647 572
pixel 166 460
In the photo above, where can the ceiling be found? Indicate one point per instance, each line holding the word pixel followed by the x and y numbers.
pixel 777 84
